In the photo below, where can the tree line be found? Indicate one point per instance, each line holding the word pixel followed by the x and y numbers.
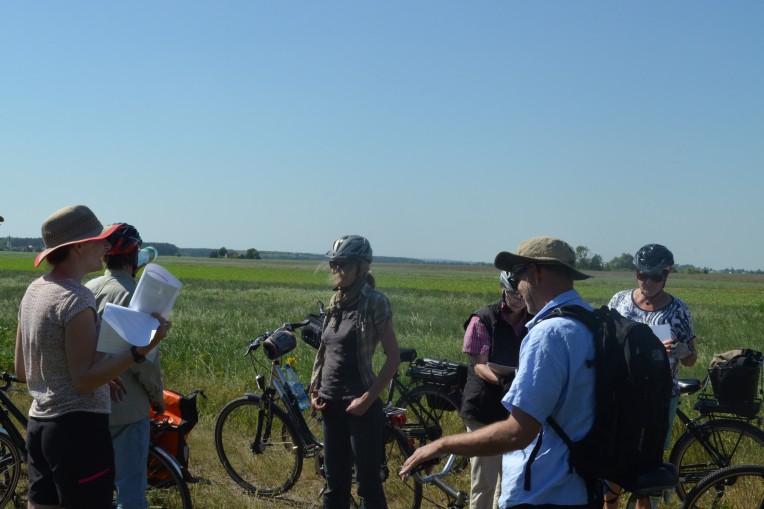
pixel 587 260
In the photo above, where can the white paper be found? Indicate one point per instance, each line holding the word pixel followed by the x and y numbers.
pixel 663 331
pixel 133 325
pixel 156 291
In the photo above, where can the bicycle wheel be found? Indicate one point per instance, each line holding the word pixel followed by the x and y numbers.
pixel 399 495
pixel 437 411
pixel 732 487
pixel 269 466
pixel 166 487
pixel 10 468
pixel 715 444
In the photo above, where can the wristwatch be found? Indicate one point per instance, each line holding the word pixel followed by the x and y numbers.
pixel 138 358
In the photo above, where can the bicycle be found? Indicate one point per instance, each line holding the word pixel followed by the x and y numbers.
pixel 454 498
pixel 433 402
pixel 263 438
pixel 731 487
pixel 711 442
pixel 13 449
pixel 166 488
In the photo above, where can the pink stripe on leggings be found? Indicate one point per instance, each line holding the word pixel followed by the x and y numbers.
pixel 94 476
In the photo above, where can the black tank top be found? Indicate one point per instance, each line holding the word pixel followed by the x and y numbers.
pixel 340 378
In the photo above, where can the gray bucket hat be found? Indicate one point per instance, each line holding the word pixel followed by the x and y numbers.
pixel 71 225
pixel 541 251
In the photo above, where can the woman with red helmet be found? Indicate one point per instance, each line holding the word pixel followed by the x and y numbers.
pixel 129 420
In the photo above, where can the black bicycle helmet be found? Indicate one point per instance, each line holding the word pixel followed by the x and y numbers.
pixel 653 258
pixel 507 281
pixel 350 247
pixel 124 240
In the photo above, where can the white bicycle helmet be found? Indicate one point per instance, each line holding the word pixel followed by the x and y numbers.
pixel 350 247
pixel 507 281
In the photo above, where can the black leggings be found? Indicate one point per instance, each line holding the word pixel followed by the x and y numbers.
pixel 71 461
pixel 349 441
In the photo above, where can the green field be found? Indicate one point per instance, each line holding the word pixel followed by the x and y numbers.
pixel 224 303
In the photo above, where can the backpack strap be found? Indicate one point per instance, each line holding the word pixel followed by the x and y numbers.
pixel 565 438
pixel 589 319
pixel 531 459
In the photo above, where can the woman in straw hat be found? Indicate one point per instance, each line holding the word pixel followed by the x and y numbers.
pixel 70 460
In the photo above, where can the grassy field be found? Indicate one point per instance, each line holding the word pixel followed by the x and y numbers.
pixel 224 303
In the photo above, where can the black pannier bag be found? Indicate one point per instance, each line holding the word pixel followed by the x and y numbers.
pixel 735 376
pixel 450 375
pixel 311 333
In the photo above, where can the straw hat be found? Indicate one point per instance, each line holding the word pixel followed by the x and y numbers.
pixel 71 225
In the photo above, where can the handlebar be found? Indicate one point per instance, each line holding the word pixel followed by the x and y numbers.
pixel 288 326
pixel 459 497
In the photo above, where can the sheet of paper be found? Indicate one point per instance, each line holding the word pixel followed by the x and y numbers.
pixel 663 331
pixel 109 340
pixel 131 326
pixel 155 293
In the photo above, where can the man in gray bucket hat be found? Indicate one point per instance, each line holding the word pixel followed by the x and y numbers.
pixel 552 380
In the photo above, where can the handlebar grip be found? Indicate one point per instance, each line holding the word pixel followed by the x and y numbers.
pixel 254 345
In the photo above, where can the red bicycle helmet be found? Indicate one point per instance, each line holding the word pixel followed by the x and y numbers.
pixel 124 241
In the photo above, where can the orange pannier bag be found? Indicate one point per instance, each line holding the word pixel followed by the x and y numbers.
pixel 170 430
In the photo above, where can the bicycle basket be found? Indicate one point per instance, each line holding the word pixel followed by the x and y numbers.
pixel 735 376
pixel 444 372
pixel 279 343
pixel 311 333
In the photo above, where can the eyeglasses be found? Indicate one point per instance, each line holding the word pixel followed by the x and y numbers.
pixel 341 265
pixel 655 277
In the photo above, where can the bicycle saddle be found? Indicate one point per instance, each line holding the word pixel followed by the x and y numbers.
pixel 689 385
pixel 645 483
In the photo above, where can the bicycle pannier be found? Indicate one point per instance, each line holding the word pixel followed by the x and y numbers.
pixel 448 374
pixel 735 376
pixel 311 333
pixel 182 415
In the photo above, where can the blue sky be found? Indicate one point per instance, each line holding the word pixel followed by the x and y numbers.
pixel 438 129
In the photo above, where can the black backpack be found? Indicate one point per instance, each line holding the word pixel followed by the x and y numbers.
pixel 633 387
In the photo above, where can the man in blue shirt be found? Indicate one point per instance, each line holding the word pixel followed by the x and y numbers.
pixel 553 379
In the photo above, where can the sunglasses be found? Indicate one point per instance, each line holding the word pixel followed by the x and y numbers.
pixel 341 265
pixel 516 271
pixel 655 277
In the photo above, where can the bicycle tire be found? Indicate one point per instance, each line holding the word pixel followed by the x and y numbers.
pixel 10 468
pixel 270 467
pixel 166 487
pixel 731 487
pixel 399 495
pixel 733 441
pixel 436 410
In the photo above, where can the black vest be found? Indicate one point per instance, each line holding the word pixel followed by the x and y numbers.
pixel 482 400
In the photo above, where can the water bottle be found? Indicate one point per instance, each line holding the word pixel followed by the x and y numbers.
pixel 293 381
pixel 146 255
